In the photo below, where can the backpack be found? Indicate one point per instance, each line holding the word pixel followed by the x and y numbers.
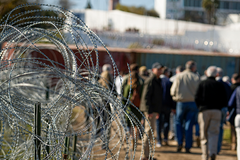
pixel 136 99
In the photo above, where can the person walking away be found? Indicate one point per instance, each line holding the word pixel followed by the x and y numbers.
pixel 183 90
pixel 232 111
pixel 168 104
pixel 210 98
pixel 172 136
pixel 234 102
pixel 151 103
pixel 225 108
pixel 178 70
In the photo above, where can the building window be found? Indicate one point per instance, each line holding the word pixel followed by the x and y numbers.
pixel 232 5
pixel 238 6
pixel 185 3
pixel 192 3
pixel 225 5
pixel 221 5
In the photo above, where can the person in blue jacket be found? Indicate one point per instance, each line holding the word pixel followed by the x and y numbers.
pixel 168 104
pixel 235 102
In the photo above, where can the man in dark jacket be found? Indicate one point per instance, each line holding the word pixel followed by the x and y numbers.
pixel 210 98
pixel 151 103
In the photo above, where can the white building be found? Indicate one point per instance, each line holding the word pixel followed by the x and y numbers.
pixel 169 9
pixel 119 21
pixel 192 9
pixel 112 4
pixel 222 38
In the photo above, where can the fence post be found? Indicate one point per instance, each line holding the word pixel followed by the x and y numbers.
pixel 47 98
pixel 66 150
pixel 74 146
pixel 37 123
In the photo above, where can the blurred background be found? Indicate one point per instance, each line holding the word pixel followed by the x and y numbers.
pixel 204 30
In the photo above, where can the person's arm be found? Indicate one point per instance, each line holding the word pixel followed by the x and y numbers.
pixel 232 101
pixel 148 97
pixel 173 90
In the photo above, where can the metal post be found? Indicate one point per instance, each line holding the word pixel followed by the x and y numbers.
pixel 74 146
pixel 37 122
pixel 65 155
pixel 47 93
pixel 47 98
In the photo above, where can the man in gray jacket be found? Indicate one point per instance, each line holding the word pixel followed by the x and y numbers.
pixel 151 103
pixel 183 91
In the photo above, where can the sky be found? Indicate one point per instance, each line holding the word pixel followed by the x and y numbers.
pixel 103 4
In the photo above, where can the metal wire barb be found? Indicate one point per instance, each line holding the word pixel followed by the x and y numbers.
pixel 80 119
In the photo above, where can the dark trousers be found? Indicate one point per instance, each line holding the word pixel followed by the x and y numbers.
pixel 163 122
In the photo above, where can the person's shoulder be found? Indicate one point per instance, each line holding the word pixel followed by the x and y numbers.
pixel 149 79
pixel 173 78
pixel 238 89
pixel 220 84
pixel 125 77
pixel 179 75
pixel 140 79
pixel 204 81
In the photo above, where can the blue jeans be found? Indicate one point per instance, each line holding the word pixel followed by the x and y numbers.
pixel 223 120
pixel 163 122
pixel 186 111
pixel 197 130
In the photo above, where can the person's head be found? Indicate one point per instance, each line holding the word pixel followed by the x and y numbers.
pixel 191 65
pixel 235 78
pixel 156 69
pixel 134 67
pixel 143 71
pixel 179 69
pixel 106 67
pixel 205 72
pixel 165 71
pixel 211 71
pixel 133 79
pixel 219 72
pixel 226 79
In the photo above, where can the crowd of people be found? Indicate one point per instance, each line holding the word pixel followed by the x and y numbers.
pixel 176 104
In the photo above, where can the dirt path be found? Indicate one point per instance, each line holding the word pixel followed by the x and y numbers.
pixel 169 153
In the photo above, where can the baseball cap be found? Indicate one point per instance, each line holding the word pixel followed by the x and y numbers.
pixel 156 65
